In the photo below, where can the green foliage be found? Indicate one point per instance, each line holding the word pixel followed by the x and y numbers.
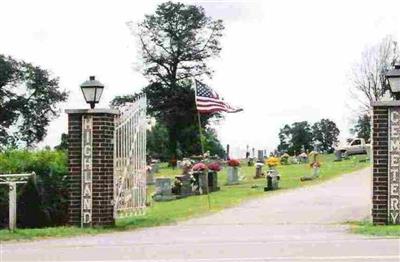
pixel 176 42
pixel 325 135
pixel 63 143
pixel 44 202
pixel 157 142
pixel 28 101
pixel 122 100
pixel 300 136
pixel 295 138
pixel 212 144
pixel 367 228
pixel 284 138
pixel 189 142
pixel 284 159
pixel 362 127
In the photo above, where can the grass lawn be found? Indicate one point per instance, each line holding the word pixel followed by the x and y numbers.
pixel 366 228
pixel 160 213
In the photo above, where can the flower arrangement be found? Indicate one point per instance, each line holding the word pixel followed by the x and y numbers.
pixel 233 163
pixel 315 164
pixel 186 163
pixel 272 161
pixel 314 159
pixel 214 167
pixel 199 167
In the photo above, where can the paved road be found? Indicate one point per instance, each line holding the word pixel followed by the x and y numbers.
pixel 299 225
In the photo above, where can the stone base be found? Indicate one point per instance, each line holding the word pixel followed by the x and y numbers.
pixel 186 188
pixel 314 175
pixel 150 180
pixel 201 182
pixel 233 176
pixel 213 181
pixel 259 173
pixel 160 198
pixel 272 180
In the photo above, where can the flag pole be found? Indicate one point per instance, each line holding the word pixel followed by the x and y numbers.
pixel 202 145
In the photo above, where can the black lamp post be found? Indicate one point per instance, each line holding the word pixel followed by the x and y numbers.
pixel 393 77
pixel 92 91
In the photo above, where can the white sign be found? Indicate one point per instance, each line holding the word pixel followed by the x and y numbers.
pixel 394 166
pixel 87 137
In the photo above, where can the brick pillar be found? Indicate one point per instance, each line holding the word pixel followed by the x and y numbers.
pixel 91 166
pixel 386 164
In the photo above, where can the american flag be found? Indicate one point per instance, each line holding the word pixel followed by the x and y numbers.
pixel 208 101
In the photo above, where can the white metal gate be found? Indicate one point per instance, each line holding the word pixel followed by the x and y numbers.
pixel 130 159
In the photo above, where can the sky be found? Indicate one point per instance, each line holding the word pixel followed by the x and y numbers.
pixel 282 61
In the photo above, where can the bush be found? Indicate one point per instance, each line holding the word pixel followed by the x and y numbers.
pixel 42 202
pixel 285 159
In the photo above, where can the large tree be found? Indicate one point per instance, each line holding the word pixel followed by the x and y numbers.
pixel 368 81
pixel 295 138
pixel 362 127
pixel 325 134
pixel 285 139
pixel 176 42
pixel 28 102
pixel 301 137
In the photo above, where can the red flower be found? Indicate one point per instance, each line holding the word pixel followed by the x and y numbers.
pixel 233 162
pixel 214 167
pixel 199 167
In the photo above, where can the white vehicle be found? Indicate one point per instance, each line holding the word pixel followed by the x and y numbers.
pixel 354 147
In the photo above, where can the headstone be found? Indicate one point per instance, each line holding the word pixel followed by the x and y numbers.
pixel 186 185
pixel 155 167
pixel 213 181
pixel 260 155
pixel 163 186
pixel 259 173
pixel 338 155
pixel 163 189
pixel 233 175
pixel 201 182
pixel 150 176
pixel 272 178
pixel 315 167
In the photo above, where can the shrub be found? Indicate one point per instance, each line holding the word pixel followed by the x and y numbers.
pixel 42 202
pixel 285 159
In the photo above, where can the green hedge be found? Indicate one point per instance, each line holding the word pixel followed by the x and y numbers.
pixel 42 202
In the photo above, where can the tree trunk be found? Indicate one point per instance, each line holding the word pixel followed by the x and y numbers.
pixel 172 145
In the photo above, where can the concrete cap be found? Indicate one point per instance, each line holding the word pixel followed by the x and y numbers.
pixel 93 111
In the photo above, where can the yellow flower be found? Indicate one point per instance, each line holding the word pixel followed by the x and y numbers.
pixel 272 161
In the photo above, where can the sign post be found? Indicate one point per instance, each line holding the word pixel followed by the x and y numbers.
pixel 12 180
